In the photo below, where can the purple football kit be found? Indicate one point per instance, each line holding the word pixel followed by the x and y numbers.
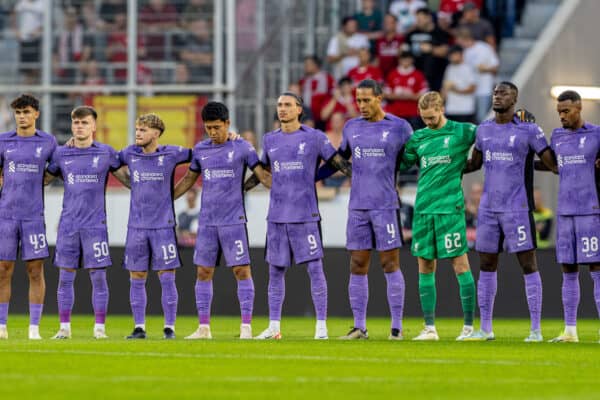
pixel 222 219
pixel 23 162
pixel 82 233
pixel 151 240
pixel 504 218
pixel 375 147
pixel 578 210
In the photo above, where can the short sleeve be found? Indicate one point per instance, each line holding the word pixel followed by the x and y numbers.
pixel 1 154
pixel 54 163
pixel 477 140
pixel 537 139
pixel 264 158
pixel 123 155
pixel 344 149
pixel 469 133
pixel 115 161
pixel 409 156
pixel 182 155
pixel 326 149
pixel 195 162
pixel 251 157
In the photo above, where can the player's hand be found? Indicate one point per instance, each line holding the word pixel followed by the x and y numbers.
pixel 524 115
pixel 597 163
pixel 70 143
pixel 233 136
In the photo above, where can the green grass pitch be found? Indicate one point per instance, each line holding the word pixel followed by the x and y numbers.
pixel 296 367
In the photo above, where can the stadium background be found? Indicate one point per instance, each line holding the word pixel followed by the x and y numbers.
pixel 253 50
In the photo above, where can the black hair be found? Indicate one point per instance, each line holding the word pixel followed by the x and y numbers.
pixel 455 49
pixel 25 100
pixel 215 111
pixel 345 20
pixel 344 79
pixel 299 100
pixel 423 10
pixel 569 95
pixel 371 84
pixel 84 111
pixel 405 54
pixel 510 85
pixel 314 59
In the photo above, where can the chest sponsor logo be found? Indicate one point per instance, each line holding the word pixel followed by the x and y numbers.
pixel 368 152
pixel 147 176
pixel 570 160
pixel 287 166
pixel 210 174
pixel 434 160
pixel 498 156
pixel 82 178
pixel 23 167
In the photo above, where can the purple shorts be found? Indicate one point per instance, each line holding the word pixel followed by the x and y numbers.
pixel 378 229
pixel 300 240
pixel 578 239
pixel 151 248
pixel 82 247
pixel 231 240
pixel 512 231
pixel 27 236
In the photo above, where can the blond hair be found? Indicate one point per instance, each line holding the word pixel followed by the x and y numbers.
pixel 152 121
pixel 431 100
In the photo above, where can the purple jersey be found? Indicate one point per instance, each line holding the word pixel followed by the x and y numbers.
pixel 576 154
pixel 84 172
pixel 223 167
pixel 294 158
pixel 23 162
pixel 151 174
pixel 508 151
pixel 376 148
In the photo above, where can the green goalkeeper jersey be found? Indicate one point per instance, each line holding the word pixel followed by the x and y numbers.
pixel 442 156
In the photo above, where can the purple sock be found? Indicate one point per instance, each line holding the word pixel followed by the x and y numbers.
pixel 3 313
pixel 204 294
pixel 596 278
pixel 276 291
pixel 395 296
pixel 245 292
pixel 533 290
pixel 486 294
pixel 99 294
pixel 65 294
pixel 35 313
pixel 570 297
pixel 138 300
pixel 318 288
pixel 169 297
pixel 358 290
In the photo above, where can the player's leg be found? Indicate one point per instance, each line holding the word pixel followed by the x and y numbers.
pixel 9 240
pixel 306 245
pixel 66 259
pixel 428 296
pixel 533 291
pixel 34 250
pixel 388 238
pixel 96 258
pixel 466 285
pixel 137 261
pixel 359 241
pixel 165 259
pixel 234 242
pixel 595 273
pixel 279 258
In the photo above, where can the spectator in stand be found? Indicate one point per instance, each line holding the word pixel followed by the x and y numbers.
pixel 471 210
pixel 460 83
pixel 405 12
pixel 116 50
pixel 483 59
pixel 370 21
pixel 157 19
pixel 94 38
pixel 543 217
pixel 342 101
pixel 307 114
pixel 187 220
pixel 335 135
pixel 195 9
pixel 29 16
pixel 315 81
pixel 196 51
pixel 450 11
pixel 342 49
pixel 388 46
pixel 403 87
pixel 109 9
pixel 181 74
pixel 250 137
pixel 481 29
pixel 91 77
pixel 69 49
pixel 365 69
pixel 429 45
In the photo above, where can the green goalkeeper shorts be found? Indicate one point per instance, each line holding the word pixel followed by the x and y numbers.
pixel 439 236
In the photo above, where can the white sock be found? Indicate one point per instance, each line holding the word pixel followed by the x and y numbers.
pixel 143 326
pixel 34 328
pixel 321 324
pixel 275 325
pixel 66 326
pixel 571 330
pixel 99 327
pixel 431 327
pixel 2 326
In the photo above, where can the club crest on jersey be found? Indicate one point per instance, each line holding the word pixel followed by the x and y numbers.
pixel 38 152
pixel 161 160
pixel 511 140
pixel 559 160
pixel 230 156
pixel 384 136
pixel 95 162
pixel 136 176
pixel 357 153
pixel 70 179
pixel 488 156
pixel 446 142
pixel 582 142
pixel 301 147
pixel 207 174
pixel 276 166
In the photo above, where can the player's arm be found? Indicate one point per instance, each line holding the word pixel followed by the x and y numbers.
pixel 475 162
pixel 48 177
pixel 548 160
pixel 263 175
pixel 339 163
pixel 254 179
pixel 122 175
pixel 185 183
